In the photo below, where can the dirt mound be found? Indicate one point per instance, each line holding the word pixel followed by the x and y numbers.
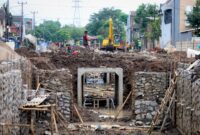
pixel 26 52
pixel 6 53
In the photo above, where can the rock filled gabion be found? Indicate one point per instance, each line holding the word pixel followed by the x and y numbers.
pixel 149 89
pixel 10 94
pixel 59 82
pixel 188 101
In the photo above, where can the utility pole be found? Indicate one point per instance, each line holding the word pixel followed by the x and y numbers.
pixel 7 16
pixel 33 20
pixel 22 20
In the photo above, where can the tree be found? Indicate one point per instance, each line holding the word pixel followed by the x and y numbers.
pixel 193 18
pixel 98 22
pixel 147 17
pixel 62 35
pixel 52 31
pixel 75 32
pixel 48 30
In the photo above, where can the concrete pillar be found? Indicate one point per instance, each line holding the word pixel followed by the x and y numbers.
pixel 79 89
pixel 84 79
pixel 116 98
pixel 120 87
pixel 108 78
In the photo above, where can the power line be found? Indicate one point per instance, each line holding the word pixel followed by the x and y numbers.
pixel 22 31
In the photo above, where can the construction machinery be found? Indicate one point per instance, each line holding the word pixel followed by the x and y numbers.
pixel 113 40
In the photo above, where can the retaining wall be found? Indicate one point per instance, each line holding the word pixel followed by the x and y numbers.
pixel 188 102
pixel 11 94
pixel 59 82
pixel 149 89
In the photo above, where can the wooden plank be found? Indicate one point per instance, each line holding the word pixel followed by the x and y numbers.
pixel 121 107
pixel 79 116
pixel 62 122
pixel 192 65
pixel 17 125
pixel 42 106
pixel 168 109
pixel 55 124
pixel 34 109
pixel 52 121
pixel 32 123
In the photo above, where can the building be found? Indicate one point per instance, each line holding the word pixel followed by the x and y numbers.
pixel 16 25
pixel 2 22
pixel 174 26
pixel 132 29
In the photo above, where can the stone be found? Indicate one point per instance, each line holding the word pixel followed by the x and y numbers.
pixel 138 111
pixel 153 103
pixel 147 84
pixel 140 94
pixel 147 103
pixel 137 102
pixel 153 113
pixel 138 117
pixel 139 123
pixel 143 79
pixel 149 116
pixel 71 127
pixel 150 108
pixel 148 123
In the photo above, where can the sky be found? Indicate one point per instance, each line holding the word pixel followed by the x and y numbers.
pixel 63 10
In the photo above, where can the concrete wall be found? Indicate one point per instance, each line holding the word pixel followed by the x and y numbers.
pixel 148 91
pixel 178 27
pixel 11 94
pixel 166 30
pixel 188 103
pixel 2 27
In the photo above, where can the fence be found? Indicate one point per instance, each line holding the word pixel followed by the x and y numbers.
pixel 183 46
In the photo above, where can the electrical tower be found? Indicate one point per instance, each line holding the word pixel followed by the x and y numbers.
pixel 77 18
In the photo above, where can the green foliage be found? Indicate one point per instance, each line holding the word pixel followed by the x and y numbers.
pixel 48 30
pixel 62 35
pixel 155 30
pixel 194 18
pixel 98 23
pixel 147 15
pixel 52 31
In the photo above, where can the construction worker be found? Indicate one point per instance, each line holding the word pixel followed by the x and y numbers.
pixel 85 39
pixel 139 45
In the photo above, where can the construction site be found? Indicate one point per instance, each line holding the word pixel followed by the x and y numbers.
pixel 98 92
pixel 130 68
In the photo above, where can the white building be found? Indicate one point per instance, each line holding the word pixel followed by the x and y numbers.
pixel 174 24
pixel 2 22
pixel 130 28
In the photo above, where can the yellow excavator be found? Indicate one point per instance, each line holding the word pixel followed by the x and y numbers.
pixel 113 41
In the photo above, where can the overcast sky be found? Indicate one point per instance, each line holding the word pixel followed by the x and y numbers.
pixel 63 10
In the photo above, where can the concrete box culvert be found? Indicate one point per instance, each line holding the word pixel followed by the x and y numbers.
pixel 119 82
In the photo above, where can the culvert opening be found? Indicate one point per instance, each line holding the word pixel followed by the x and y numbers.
pixel 100 87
